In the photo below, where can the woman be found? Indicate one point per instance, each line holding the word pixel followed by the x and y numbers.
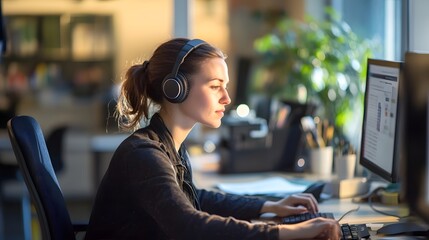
pixel 147 191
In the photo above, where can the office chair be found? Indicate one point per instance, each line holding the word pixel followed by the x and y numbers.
pixel 55 144
pixel 33 158
pixel 9 172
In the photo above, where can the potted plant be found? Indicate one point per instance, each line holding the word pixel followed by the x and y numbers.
pixel 322 62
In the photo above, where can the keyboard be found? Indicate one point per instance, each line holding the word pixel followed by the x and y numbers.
pixel 297 218
pixel 349 231
pixel 354 231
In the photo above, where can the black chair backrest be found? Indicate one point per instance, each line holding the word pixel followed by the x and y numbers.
pixel 55 143
pixel 33 158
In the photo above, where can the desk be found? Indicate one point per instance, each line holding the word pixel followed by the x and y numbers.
pixel 6 148
pixel 365 215
pixel 103 144
pixel 5 144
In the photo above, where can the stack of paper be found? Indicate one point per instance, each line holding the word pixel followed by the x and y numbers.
pixel 273 186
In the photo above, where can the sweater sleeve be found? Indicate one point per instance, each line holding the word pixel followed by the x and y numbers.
pixel 240 207
pixel 152 185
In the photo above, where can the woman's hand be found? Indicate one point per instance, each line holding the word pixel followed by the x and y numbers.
pixel 293 204
pixel 316 228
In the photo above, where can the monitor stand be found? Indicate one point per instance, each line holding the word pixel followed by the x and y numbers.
pixel 389 196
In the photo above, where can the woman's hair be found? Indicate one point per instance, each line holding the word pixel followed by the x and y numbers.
pixel 142 86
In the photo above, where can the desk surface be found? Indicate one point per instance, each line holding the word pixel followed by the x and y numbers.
pixel 208 179
pixel 365 214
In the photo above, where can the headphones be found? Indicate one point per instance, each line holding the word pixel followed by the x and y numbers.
pixel 175 85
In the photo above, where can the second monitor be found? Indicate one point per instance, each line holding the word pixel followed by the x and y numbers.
pixel 380 129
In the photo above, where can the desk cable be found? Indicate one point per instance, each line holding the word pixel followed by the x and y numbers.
pixel 370 202
pixel 348 212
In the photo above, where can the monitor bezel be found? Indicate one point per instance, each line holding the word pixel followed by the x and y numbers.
pixel 393 175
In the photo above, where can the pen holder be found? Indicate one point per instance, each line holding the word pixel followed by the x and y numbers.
pixel 345 166
pixel 321 160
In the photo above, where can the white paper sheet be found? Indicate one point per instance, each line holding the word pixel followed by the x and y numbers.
pixel 268 186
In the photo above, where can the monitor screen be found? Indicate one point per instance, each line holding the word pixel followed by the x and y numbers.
pixel 416 129
pixel 380 119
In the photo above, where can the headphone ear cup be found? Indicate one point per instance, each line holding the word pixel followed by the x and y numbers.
pixel 185 87
pixel 175 89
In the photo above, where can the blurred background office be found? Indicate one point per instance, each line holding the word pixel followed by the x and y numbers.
pixel 64 60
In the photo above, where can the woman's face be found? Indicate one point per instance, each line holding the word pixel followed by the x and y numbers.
pixel 208 95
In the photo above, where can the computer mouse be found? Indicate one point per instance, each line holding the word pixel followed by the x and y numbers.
pixel 403 228
pixel 315 189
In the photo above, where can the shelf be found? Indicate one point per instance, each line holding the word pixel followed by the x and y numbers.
pixel 68 53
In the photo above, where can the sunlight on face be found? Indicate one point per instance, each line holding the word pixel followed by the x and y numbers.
pixel 208 93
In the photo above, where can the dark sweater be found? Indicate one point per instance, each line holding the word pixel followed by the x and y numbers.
pixel 148 193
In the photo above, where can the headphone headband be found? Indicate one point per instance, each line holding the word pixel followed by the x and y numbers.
pixel 186 49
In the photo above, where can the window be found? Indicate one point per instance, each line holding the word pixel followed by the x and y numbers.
pixel 381 21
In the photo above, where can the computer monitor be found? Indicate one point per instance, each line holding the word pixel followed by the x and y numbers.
pixel 416 129
pixel 380 129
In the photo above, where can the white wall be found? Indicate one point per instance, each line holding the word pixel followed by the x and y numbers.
pixel 419 25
